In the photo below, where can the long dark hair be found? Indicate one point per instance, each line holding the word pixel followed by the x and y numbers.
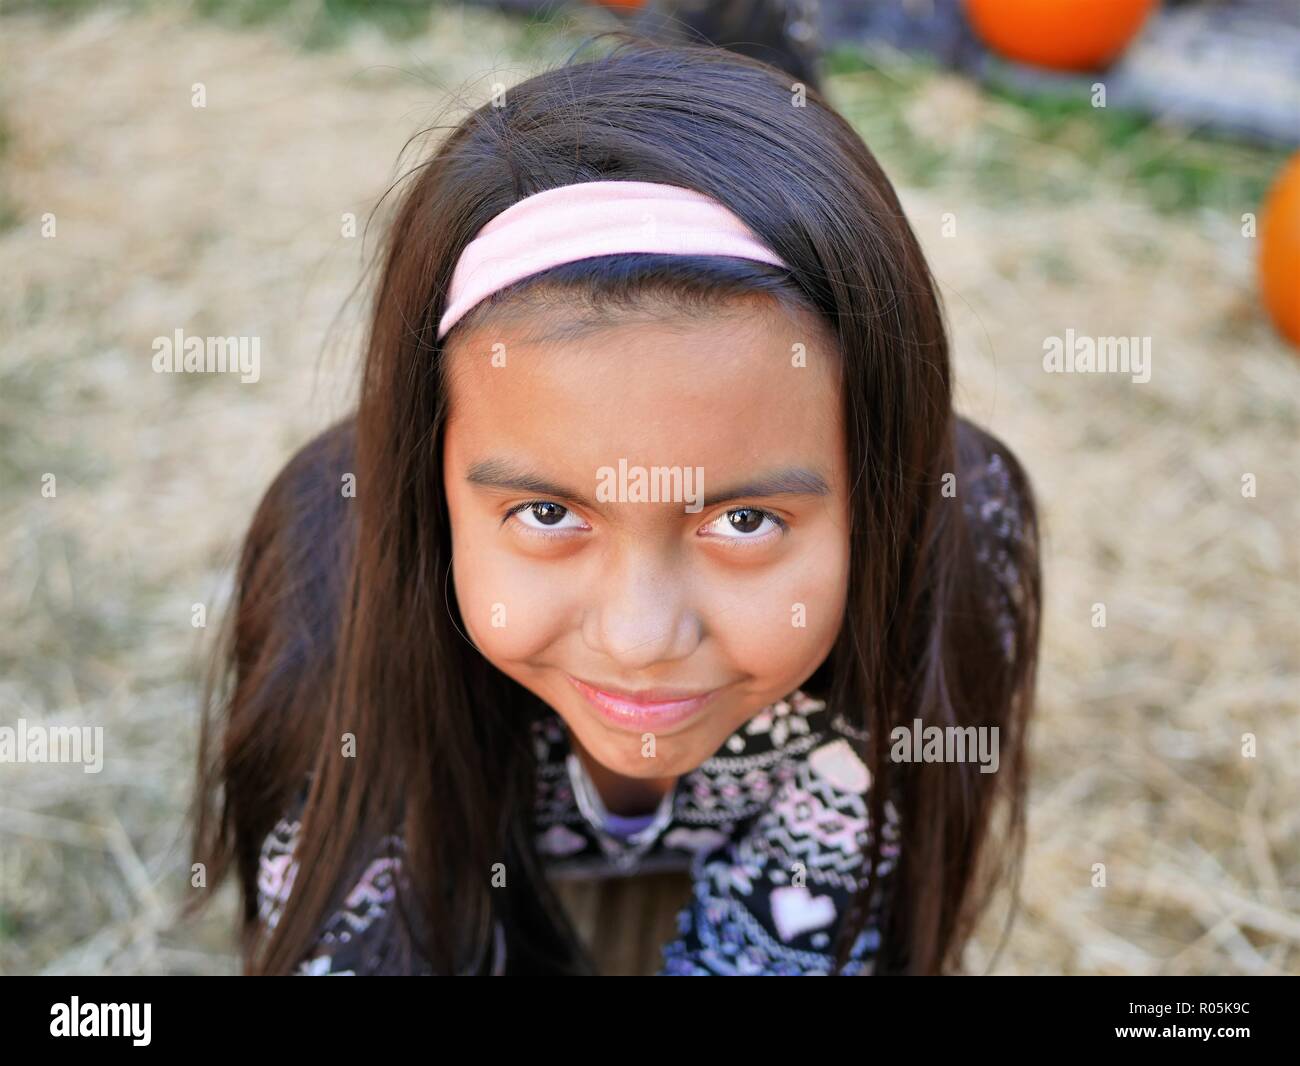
pixel 346 622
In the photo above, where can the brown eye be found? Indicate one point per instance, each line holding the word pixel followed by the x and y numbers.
pixel 548 514
pixel 746 519
pixel 539 515
pixel 744 525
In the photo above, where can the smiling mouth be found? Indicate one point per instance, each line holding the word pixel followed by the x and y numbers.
pixel 648 709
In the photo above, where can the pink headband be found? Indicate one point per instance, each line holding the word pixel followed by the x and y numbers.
pixel 589 219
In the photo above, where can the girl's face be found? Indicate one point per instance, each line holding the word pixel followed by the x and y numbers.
pixel 650 520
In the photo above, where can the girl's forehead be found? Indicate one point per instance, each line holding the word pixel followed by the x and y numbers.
pixel 729 393
pixel 747 368
pixel 739 345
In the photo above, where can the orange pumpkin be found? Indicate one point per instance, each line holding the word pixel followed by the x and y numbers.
pixel 1279 251
pixel 1062 34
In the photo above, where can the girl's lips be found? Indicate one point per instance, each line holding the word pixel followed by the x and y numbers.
pixel 640 713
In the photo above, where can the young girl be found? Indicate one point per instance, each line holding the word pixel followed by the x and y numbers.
pixel 652 544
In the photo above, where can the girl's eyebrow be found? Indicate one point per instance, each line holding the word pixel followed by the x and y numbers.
pixel 501 474
pixel 790 481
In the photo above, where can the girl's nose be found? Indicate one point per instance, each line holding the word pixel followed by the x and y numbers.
pixel 642 616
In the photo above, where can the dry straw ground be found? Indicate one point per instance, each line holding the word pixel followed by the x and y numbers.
pixel 226 220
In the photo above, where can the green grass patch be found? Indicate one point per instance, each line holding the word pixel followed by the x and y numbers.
pixel 1174 169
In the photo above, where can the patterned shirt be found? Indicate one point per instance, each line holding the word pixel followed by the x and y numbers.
pixel 773 828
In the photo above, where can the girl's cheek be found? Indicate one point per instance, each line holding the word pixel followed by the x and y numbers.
pixel 781 627
pixel 512 610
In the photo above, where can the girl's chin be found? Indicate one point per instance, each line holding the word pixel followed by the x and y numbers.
pixel 621 753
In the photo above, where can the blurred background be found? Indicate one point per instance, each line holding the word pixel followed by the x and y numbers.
pixel 1119 168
